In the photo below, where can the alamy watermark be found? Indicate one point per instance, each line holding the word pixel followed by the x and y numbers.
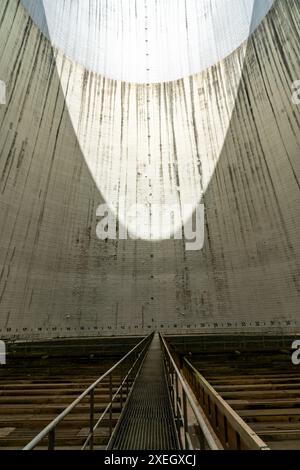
pixel 296 353
pixel 2 353
pixel 296 92
pixel 155 222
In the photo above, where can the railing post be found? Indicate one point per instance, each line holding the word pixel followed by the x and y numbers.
pixel 121 387
pixel 176 396
pixel 202 440
pixel 110 408
pixel 127 384
pixel 185 420
pixel 51 440
pixel 92 405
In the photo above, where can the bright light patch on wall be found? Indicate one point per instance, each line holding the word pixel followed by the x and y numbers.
pixel 172 134
pixel 147 40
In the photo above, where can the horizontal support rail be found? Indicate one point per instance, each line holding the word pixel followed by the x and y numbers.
pixel 187 414
pixel 135 356
pixel 232 430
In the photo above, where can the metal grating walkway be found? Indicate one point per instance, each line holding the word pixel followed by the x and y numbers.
pixel 147 422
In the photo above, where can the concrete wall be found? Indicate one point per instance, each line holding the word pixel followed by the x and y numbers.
pixel 57 279
pixel 147 41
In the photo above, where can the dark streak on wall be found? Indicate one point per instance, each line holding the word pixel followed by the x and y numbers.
pixel 57 279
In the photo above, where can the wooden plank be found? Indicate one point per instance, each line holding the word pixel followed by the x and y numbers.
pixel 50 408
pixel 266 386
pixel 246 433
pixel 48 399
pixel 261 394
pixel 266 403
pixel 4 432
pixel 285 445
pixel 287 412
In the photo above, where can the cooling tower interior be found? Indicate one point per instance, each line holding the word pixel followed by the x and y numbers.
pixel 149 185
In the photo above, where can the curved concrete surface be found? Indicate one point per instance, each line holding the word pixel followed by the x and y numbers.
pixel 239 132
pixel 147 41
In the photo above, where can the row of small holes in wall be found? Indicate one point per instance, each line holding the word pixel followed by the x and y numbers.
pixel 201 325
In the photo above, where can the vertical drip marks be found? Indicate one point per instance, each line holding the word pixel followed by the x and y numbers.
pixel 195 130
pixel 49 176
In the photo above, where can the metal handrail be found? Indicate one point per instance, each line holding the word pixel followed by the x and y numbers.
pixel 49 430
pixel 180 401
